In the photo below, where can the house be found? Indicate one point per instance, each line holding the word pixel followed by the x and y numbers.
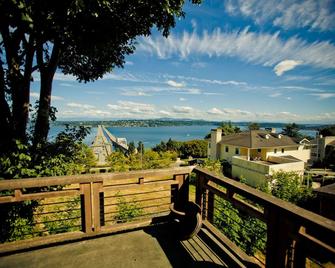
pixel 256 154
pixel 324 146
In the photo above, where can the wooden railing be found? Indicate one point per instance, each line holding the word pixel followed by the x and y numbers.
pixel 74 207
pixel 294 237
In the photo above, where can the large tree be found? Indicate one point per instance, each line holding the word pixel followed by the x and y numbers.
pixel 292 130
pixel 86 38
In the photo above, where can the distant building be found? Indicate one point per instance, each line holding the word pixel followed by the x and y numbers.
pixel 326 198
pixel 324 145
pixel 256 154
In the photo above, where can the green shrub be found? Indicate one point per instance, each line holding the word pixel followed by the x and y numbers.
pixel 127 211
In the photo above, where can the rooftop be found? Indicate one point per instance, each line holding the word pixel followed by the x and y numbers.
pixel 258 139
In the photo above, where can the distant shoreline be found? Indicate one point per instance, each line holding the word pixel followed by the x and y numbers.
pixel 173 123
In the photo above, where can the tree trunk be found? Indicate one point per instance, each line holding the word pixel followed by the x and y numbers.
pixel 5 115
pixel 47 73
pixel 19 84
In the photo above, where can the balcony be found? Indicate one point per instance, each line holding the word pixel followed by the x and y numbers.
pixel 124 220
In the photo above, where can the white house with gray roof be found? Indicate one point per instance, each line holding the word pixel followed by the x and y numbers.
pixel 256 154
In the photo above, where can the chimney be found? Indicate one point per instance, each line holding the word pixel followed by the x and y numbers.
pixel 271 129
pixel 216 136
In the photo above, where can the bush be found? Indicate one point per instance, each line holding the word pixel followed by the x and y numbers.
pixel 148 160
pixel 65 156
pixel 127 211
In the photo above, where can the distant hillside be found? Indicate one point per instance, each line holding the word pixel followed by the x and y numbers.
pixel 172 122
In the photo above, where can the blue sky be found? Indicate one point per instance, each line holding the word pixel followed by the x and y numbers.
pixel 256 60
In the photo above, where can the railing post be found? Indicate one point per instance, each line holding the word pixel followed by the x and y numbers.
pixel 86 207
pixel 182 193
pixel 97 186
pixel 210 206
pixel 201 195
pixel 90 206
pixel 278 242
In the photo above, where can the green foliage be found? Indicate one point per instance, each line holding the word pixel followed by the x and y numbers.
pixel 16 221
pixel 288 186
pixel 212 165
pixel 246 232
pixel 140 147
pixel 148 160
pixel 228 128
pixel 131 147
pixel 64 221
pixel 328 131
pixel 254 126
pixel 64 156
pixel 193 148
pixel 292 130
pixel 127 211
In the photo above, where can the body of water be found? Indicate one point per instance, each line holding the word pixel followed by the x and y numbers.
pixel 151 136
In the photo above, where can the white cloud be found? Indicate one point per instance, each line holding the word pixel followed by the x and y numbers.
pixel 215 111
pixel 130 63
pixel 135 93
pixel 53 97
pixel 131 107
pixel 182 99
pixel 182 109
pixel 285 65
pixel 323 96
pixel 79 105
pixel 36 95
pixel 288 14
pixel 90 113
pixel 275 95
pixel 198 65
pixel 175 84
pixel 259 48
pixel 208 81
pixel 95 92
pixel 66 85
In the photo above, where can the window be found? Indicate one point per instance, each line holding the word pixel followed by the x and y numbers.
pixel 275 151
pixel 282 150
pixel 259 150
pixel 227 149
pixel 237 151
pixel 209 145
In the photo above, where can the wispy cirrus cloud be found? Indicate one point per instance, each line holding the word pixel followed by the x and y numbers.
pixel 131 107
pixel 323 96
pixel 258 48
pixel 285 65
pixel 288 14
pixel 207 81
pixel 79 105
pixel 175 84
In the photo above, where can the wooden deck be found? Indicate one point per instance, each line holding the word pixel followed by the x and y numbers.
pixel 149 247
